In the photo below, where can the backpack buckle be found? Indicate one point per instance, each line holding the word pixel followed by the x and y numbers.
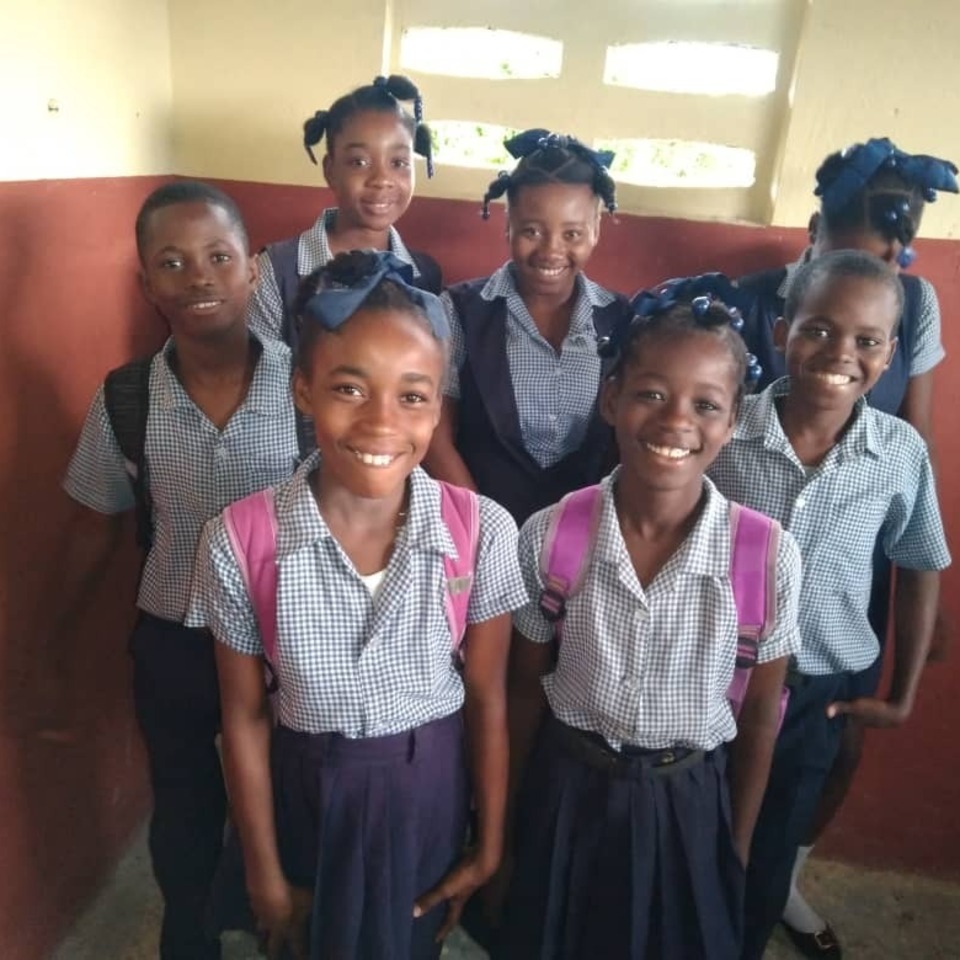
pixel 553 605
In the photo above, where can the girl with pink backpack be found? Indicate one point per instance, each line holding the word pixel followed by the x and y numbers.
pixel 633 819
pixel 363 582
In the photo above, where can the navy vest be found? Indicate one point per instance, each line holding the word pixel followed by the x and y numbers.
pixel 889 391
pixel 488 429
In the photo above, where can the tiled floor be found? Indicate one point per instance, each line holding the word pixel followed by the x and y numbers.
pixel 880 916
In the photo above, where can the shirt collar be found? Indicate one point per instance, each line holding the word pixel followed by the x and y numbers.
pixel 325 221
pixel 590 295
pixel 269 390
pixel 759 419
pixel 299 523
pixel 706 550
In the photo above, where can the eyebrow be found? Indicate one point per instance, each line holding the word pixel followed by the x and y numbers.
pixel 366 146
pixel 410 377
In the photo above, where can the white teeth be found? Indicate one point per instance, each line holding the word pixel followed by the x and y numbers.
pixel 671 453
pixel 205 305
pixel 835 379
pixel 550 271
pixel 374 459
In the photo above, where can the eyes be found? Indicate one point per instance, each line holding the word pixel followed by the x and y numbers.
pixel 571 235
pixel 360 161
pixel 176 262
pixel 823 333
pixel 354 392
pixel 703 405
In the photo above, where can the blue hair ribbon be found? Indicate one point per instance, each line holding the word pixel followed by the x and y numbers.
pixel 530 141
pixel 700 293
pixel 839 182
pixel 335 302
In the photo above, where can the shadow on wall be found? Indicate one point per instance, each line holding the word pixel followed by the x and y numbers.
pixel 73 781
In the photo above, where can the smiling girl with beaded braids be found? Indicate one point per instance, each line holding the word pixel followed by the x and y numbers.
pixel 371 142
pixel 520 421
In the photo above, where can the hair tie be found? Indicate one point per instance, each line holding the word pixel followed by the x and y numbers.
pixel 341 293
pixel 529 142
pixel 313 131
pixel 380 82
pixel 844 175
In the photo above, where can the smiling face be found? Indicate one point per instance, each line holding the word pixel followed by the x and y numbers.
pixel 196 270
pixel 552 229
pixel 840 340
pixel 673 407
pixel 370 169
pixel 373 389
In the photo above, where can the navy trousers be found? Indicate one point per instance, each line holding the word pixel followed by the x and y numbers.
pixel 804 753
pixel 177 703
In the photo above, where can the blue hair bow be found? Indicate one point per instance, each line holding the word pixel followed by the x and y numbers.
pixel 336 301
pixel 851 170
pixel 700 293
pixel 530 141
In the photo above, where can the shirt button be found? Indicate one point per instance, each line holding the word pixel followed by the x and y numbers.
pixel 221 451
pixel 801 502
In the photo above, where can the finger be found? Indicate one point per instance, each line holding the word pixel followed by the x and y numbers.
pixel 839 707
pixel 452 919
pixel 431 898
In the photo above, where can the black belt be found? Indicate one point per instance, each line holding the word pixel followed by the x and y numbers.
pixel 593 750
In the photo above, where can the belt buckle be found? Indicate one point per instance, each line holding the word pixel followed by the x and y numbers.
pixel 665 758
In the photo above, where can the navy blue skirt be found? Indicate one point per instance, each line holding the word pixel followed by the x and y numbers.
pixel 371 825
pixel 624 858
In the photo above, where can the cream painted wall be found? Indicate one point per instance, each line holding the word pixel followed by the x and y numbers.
pixel 86 88
pixel 246 74
pixel 874 68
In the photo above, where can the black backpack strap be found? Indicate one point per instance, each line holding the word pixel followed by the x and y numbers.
pixel 283 259
pixel 431 276
pixel 126 396
pixel 907 334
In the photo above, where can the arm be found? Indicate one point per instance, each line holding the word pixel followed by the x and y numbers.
pixel 915 612
pixel 279 908
pixel 751 752
pixel 486 736
pixel 443 461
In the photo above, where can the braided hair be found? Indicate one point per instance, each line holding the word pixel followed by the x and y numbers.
pixel 552 158
pixel 385 95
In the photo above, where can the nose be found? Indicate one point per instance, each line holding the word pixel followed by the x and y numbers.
pixel 379 173
pixel 553 242
pixel 199 272
pixel 380 413
pixel 675 415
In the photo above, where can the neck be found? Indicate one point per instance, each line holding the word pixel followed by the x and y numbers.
pixel 343 509
pixel 343 238
pixel 810 426
pixel 222 357
pixel 538 302
pixel 655 514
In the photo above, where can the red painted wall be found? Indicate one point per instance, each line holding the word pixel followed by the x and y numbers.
pixel 903 809
pixel 70 309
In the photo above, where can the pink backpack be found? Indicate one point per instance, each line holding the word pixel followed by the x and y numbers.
pixel 251 525
pixel 755 539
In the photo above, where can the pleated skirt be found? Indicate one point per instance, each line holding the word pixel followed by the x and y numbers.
pixel 623 859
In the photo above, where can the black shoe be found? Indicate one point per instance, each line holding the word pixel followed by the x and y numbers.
pixel 822 945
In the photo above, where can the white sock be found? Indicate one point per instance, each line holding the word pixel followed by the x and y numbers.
pixel 798 913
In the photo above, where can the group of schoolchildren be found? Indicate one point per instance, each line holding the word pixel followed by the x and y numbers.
pixel 618 732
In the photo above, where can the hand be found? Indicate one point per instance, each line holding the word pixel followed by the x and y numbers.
pixel 282 912
pixel 871 711
pixel 942 639
pixel 493 895
pixel 456 888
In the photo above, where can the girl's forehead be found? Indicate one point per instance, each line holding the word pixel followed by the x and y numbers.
pixel 374 126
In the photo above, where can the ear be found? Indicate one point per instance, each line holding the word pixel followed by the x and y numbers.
pixel 891 350
pixel 781 333
pixel 253 265
pixel 302 397
pixel 609 395
pixel 145 287
pixel 325 166
pixel 813 227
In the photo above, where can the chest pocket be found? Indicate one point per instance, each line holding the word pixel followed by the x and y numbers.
pixel 846 564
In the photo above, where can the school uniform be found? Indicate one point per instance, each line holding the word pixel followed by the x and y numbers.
pixel 194 471
pixel 919 350
pixel 624 845
pixel 876 483
pixel 284 264
pixel 370 780
pixel 528 426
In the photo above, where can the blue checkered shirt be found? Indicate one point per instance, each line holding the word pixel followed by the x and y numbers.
pixel 194 469
pixel 362 665
pixel 555 394
pixel 877 481
pixel 265 310
pixel 650 664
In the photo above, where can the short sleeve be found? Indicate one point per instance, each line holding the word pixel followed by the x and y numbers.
pixel 265 310
pixel 218 595
pixel 927 347
pixel 97 475
pixel 498 586
pixel 785 639
pixel 913 534
pixel 529 619
pixel 458 348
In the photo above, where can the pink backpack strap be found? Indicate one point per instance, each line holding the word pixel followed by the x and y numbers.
pixel 567 546
pixel 754 547
pixel 251 525
pixel 460 510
